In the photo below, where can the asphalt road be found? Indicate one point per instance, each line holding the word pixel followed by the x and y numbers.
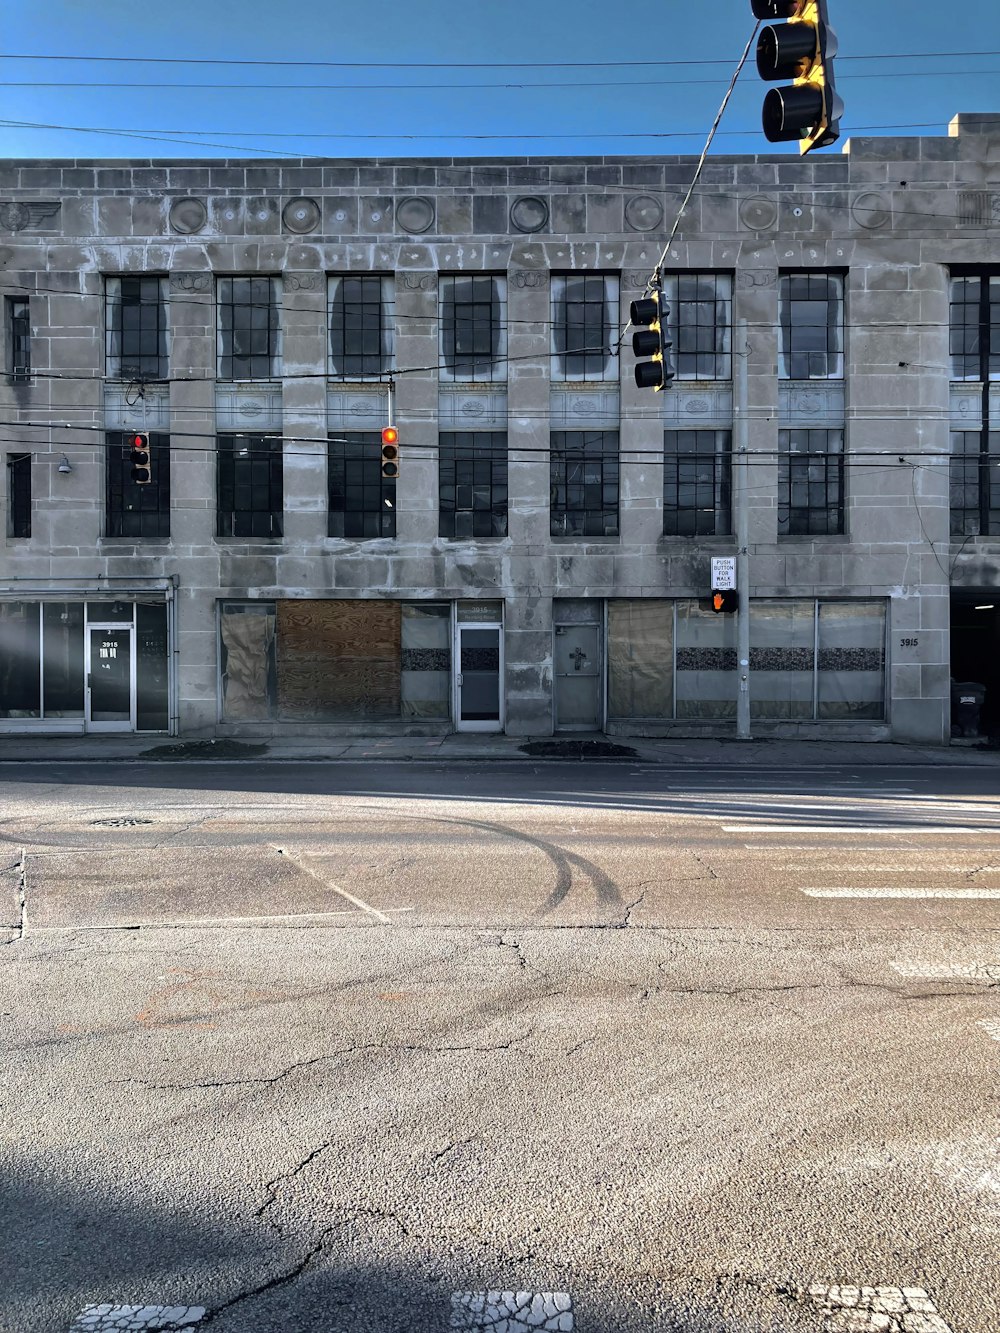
pixel 314 1047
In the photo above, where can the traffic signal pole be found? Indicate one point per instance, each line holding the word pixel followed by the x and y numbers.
pixel 741 496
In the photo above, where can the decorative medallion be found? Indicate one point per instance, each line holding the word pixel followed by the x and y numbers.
pixel 871 210
pixel 758 213
pixel 16 217
pixel 757 277
pixel 529 213
pixel 301 215
pixel 249 407
pixel 302 282
pixel 190 282
pixel 643 212
pixel 188 215
pixel 530 277
pixel 415 214
pixel 427 282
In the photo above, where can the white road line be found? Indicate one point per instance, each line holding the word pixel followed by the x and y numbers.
pixel 329 884
pixel 895 829
pixel 926 971
pixel 513 1311
pixel 901 892
pixel 991 1027
pixel 135 1318
pixel 851 1309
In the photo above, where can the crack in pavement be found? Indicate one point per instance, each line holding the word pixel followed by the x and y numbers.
pixel 288 1175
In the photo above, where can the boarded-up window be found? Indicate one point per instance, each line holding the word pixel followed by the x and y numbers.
pixel 338 660
pixel 640 659
pixel 247 661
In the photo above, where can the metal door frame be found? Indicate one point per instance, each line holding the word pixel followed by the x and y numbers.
pixel 600 626
pixel 456 678
pixel 103 627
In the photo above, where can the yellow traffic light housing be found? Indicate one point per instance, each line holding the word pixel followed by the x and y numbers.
pixel 141 459
pixel 390 452
pixel 802 50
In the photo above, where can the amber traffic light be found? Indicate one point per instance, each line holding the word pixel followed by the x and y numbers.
pixel 390 452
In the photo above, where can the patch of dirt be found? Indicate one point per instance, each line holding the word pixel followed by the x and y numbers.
pixel 582 749
pixel 211 749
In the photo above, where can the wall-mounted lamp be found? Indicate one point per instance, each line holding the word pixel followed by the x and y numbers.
pixel 65 465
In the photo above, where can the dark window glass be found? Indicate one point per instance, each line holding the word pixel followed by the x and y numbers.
pixel 812 326
pixel 18 332
pixel 136 328
pixel 360 326
pixel 19 495
pixel 584 325
pixel 700 324
pixel 249 496
pixel 20 659
pixel 472 327
pixel 696 483
pixel 249 342
pixel 362 503
pixel 974 327
pixel 810 482
pixel 137 511
pixel 975 483
pixel 473 484
pixel 583 481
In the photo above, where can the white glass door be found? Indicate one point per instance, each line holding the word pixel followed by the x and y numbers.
pixel 478 692
pixel 110 670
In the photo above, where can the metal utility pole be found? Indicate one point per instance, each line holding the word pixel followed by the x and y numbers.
pixel 741 498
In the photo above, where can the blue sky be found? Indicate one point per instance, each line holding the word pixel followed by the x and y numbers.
pixel 383 46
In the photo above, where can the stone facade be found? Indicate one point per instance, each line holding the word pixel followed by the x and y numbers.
pixel 893 215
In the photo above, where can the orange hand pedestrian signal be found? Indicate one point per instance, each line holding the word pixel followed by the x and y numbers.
pixel 724 599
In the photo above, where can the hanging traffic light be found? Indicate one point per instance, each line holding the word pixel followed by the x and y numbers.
pixel 725 599
pixel 802 50
pixel 649 315
pixel 142 459
pixel 390 452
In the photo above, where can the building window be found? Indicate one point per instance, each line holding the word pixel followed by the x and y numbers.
pixel 583 483
pixel 584 326
pixel 696 483
pixel 249 486
pixel 975 483
pixel 137 511
pixel 18 495
pixel 362 317
pixel 473 484
pixel 135 328
pixel 975 327
pixel 810 482
pixel 362 503
pixel 473 327
pixel 18 331
pixel 812 326
pixel 700 324
pixel 249 329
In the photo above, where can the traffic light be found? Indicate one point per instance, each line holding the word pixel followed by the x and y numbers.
pixel 725 599
pixel 802 50
pixel 649 315
pixel 390 452
pixel 142 459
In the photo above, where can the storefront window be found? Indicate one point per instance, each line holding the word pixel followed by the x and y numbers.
pixel 640 659
pixel 425 678
pixel 20 655
pixel 851 660
pixel 63 653
pixel 248 666
pixel 782 646
pixel 706 663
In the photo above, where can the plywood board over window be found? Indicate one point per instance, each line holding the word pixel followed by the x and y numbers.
pixel 339 661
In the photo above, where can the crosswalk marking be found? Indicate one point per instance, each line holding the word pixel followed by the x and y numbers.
pixel 991 1027
pixel 901 892
pixel 512 1311
pixel 135 1318
pixel 921 971
pixel 895 829
pixel 851 1309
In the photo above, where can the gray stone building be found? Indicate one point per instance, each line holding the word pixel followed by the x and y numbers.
pixel 542 560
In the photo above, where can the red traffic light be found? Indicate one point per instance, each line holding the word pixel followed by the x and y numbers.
pixel 140 457
pixel 390 435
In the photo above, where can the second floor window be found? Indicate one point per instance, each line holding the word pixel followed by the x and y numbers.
pixel 18 495
pixel 810 482
pixel 131 510
pixel 584 325
pixel 136 328
pixel 361 325
pixel 473 327
pixel 975 327
pixel 473 484
pixel 696 483
pixel 700 324
pixel 975 483
pixel 362 503
pixel 249 488
pixel 584 474
pixel 811 306
pixel 249 329
pixel 18 337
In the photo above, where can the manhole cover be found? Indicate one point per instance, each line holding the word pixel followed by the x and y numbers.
pixel 119 821
pixel 570 749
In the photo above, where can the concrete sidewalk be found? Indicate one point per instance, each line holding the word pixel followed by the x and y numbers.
pixel 483 748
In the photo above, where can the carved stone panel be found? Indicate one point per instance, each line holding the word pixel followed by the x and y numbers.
pixel 250 407
pixel 357 407
pixel 967 406
pixel 125 410
pixel 811 402
pixel 463 408
pixel 978 208
pixel 585 407
pixel 34 215
pixel 688 406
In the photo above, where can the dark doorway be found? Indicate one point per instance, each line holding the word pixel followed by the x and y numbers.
pixel 975 662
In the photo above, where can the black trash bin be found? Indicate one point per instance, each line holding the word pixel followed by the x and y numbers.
pixel 966 705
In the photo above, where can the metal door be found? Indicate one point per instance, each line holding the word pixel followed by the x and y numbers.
pixel 478 693
pixel 110 671
pixel 578 678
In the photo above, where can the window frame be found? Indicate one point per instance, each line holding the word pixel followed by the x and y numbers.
pixel 486 360
pixel 683 330
pixel 19 495
pixel 17 328
pixel 597 336
pixel 268 325
pixel 473 466
pixel 803 520
pixel 363 364
pixel 720 455
pixel 147 367
pixel 570 451
pixel 248 521
pixel 354 466
pixel 817 361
